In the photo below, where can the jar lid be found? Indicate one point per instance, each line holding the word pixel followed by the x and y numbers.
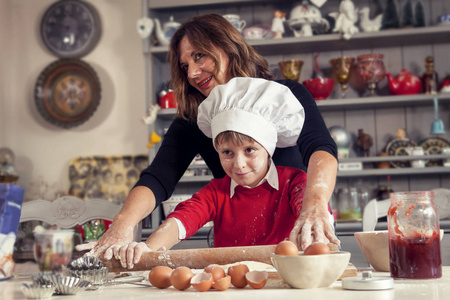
pixel 367 282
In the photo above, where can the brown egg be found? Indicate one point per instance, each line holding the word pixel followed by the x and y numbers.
pixel 286 248
pixel 181 278
pixel 317 249
pixel 257 279
pixel 216 271
pixel 160 277
pixel 237 274
pixel 222 284
pixel 202 281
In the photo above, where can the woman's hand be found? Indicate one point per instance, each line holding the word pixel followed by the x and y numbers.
pixel 115 236
pixel 313 225
pixel 139 203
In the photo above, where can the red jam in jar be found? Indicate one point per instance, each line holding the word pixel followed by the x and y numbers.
pixel 415 258
pixel 413 229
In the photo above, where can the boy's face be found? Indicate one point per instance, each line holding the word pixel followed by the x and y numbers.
pixel 247 164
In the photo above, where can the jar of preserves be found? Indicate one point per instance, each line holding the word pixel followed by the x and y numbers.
pixel 413 229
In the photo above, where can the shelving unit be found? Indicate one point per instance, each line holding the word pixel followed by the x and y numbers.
pixel 379 116
pixel 358 103
pixel 361 40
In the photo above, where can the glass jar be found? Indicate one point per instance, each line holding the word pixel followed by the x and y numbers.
pixel 413 229
pixel 348 204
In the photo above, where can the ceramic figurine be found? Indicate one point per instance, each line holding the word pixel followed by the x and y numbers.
pixel 430 77
pixel 144 27
pixel 445 85
pixel 419 15
pixel 151 114
pixel 390 16
pixel 154 139
pixel 346 19
pixel 369 25
pixel 364 142
pixel 407 15
pixel 277 23
pixel 304 17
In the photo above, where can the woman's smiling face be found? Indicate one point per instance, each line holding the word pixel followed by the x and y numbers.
pixel 200 67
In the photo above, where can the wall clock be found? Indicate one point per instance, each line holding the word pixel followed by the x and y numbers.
pixel 70 28
pixel 397 147
pixel 434 145
pixel 67 92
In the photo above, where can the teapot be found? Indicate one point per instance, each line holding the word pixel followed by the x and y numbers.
pixel 165 33
pixel 404 83
pixel 167 99
pixel 417 151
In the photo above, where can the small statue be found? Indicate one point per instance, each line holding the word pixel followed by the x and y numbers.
pixel 430 77
pixel 364 142
pixel 369 25
pixel 346 19
pixel 7 164
pixel 152 112
pixel 154 139
pixel 278 23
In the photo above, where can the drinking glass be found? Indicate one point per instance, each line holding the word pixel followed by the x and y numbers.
pixel 342 67
pixel 291 69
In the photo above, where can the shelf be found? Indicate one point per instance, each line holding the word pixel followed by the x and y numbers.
pixel 394 158
pixel 167 113
pixel 164 4
pixel 382 102
pixel 357 103
pixel 364 172
pixel 204 178
pixel 323 42
pixel 394 172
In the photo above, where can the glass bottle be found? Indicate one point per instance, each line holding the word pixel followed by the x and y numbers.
pixel 413 229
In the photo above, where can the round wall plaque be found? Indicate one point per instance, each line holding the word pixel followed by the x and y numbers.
pixel 67 92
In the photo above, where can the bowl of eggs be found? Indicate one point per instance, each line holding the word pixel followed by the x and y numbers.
pixel 315 267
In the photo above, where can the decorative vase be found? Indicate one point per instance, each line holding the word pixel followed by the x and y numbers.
pixel 371 70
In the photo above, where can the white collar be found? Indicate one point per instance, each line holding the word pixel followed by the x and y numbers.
pixel 271 177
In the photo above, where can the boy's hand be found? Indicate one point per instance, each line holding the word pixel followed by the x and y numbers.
pixel 129 255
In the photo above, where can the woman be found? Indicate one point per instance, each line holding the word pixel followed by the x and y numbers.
pixel 205 52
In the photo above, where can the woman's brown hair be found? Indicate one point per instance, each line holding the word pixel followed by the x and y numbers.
pixel 205 32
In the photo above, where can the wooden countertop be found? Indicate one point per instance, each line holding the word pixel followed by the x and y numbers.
pixel 433 289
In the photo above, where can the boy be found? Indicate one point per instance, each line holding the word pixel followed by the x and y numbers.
pixel 257 203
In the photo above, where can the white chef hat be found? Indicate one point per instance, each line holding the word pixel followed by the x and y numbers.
pixel 264 110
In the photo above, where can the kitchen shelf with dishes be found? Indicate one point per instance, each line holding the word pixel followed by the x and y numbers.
pixel 402 48
pixel 358 103
pixel 362 40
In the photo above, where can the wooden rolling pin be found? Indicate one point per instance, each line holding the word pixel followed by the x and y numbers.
pixel 196 258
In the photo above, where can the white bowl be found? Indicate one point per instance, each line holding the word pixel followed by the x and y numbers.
pixel 311 271
pixel 375 247
pixel 170 204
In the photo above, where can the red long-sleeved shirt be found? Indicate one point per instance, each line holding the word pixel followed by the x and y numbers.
pixel 256 216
